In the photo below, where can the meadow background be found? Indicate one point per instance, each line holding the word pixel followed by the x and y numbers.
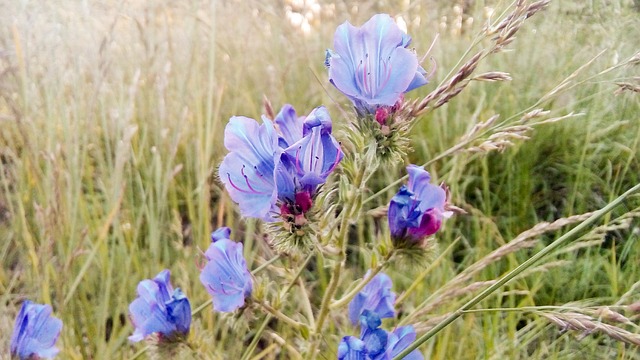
pixel 111 125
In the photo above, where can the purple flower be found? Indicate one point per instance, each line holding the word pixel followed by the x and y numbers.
pixel 316 152
pixel 399 340
pixel 35 332
pixel 416 211
pixel 372 65
pixel 159 309
pixel 249 170
pixel 351 348
pixel 378 344
pixel 376 296
pixel 225 276
pixel 375 339
pixel 278 173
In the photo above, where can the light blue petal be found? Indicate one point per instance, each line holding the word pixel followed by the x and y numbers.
pixel 351 348
pixel 254 190
pixel 156 311
pixel 371 64
pixel 226 276
pixel 419 79
pixel 220 233
pixel 179 311
pixel 290 126
pixel 36 332
pixel 376 296
pixel 248 171
pixel 400 339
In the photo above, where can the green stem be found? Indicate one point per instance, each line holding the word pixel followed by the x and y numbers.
pixel 422 275
pixel 572 234
pixel 267 263
pixel 442 155
pixel 256 338
pixel 280 316
pixel 351 294
pixel 254 342
pixel 337 269
pixel 307 304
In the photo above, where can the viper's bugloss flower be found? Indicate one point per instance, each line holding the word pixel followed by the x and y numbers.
pixel 375 339
pixel 225 276
pixel 249 169
pixel 351 348
pixel 376 297
pixel 270 173
pixel 376 343
pixel 372 64
pixel 313 155
pixel 35 332
pixel 416 211
pixel 159 309
pixel 399 340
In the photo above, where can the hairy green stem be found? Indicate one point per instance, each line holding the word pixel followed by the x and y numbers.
pixel 426 271
pixel 265 264
pixel 572 234
pixel 280 316
pixel 332 287
pixel 329 294
pixel 307 304
pixel 256 338
pixel 351 294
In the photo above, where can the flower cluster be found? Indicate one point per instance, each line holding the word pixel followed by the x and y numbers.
pixel 375 343
pixel 274 170
pixel 159 309
pixel 374 302
pixel 275 173
pixel 416 211
pixel 35 332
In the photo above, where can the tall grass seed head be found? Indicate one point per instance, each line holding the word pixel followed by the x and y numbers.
pixel 160 309
pixel 225 275
pixel 35 332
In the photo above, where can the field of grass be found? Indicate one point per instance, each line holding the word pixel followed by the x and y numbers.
pixel 112 117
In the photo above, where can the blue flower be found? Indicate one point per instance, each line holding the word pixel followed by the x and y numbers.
pixel 225 276
pixel 376 343
pixel 35 332
pixel 376 296
pixel 375 339
pixel 269 172
pixel 159 309
pixel 416 211
pixel 315 154
pixel 351 348
pixel 399 340
pixel 249 170
pixel 372 65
